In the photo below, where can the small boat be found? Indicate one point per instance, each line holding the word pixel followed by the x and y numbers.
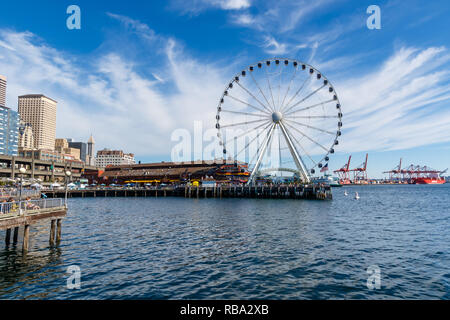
pixel 329 180
pixel 356 196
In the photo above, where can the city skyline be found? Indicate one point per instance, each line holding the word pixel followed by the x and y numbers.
pixel 179 56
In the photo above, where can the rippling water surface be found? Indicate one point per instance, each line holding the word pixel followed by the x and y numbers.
pixel 176 248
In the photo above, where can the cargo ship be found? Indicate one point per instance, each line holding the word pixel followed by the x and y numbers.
pixel 431 180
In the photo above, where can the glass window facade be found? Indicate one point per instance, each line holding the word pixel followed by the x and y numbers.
pixel 9 131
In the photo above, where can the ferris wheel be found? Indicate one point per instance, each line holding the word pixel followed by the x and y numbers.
pixel 279 115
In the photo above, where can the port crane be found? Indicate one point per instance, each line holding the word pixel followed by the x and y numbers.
pixel 415 174
pixel 360 172
pixel 344 172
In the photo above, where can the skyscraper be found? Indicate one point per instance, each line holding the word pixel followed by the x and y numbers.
pixel 2 91
pixel 40 111
pixel 90 156
pixel 26 139
pixel 82 147
pixel 9 131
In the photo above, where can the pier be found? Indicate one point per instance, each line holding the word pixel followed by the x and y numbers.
pixel 307 192
pixel 26 213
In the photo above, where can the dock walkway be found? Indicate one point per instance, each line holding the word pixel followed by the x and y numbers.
pixel 26 213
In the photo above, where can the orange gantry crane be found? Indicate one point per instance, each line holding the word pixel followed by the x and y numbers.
pixel 415 174
pixel 360 172
pixel 344 172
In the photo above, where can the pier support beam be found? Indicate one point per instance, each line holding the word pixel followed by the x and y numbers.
pixel 8 237
pixel 16 234
pixel 58 231
pixel 26 237
pixel 52 232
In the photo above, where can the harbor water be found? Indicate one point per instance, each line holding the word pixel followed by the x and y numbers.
pixel 177 248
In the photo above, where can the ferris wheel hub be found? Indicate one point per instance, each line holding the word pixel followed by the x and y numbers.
pixel 277 116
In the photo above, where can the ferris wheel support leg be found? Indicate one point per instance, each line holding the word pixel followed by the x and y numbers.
pixel 261 155
pixel 297 159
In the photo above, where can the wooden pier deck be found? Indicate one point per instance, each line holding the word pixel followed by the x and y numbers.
pixel 26 213
pixel 310 192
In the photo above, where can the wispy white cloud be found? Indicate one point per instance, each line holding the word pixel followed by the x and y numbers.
pixel 278 16
pixel 136 26
pixel 404 104
pixel 198 6
pixel 273 47
pixel 109 96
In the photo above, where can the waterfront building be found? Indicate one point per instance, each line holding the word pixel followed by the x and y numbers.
pixel 108 157
pixel 2 91
pixel 90 155
pixel 40 111
pixel 177 172
pixel 47 155
pixel 26 138
pixel 9 131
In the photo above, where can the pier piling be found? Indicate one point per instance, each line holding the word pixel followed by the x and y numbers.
pixel 58 231
pixel 26 237
pixel 52 232
pixel 8 237
pixel 16 235
pixel 219 191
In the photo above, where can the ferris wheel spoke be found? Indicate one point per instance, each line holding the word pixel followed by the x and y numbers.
pixel 305 98
pixel 307 137
pixel 298 91
pixel 304 150
pixel 241 123
pixel 279 147
pixel 311 127
pixel 263 144
pixel 260 90
pixel 248 131
pixel 270 89
pixel 288 88
pixel 279 88
pixel 310 107
pixel 246 113
pixel 246 103
pixel 251 141
pixel 308 117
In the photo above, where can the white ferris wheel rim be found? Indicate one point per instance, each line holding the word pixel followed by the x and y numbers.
pixel 280 115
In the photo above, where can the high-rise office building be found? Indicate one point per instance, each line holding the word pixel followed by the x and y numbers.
pixel 82 146
pixel 90 155
pixel 40 111
pixel 2 91
pixel 26 139
pixel 9 131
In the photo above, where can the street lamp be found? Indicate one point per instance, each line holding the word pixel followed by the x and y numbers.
pixel 68 174
pixel 22 171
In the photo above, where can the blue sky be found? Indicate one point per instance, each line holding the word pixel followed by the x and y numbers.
pixel 137 70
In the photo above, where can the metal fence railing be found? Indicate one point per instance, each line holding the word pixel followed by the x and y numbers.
pixel 16 193
pixel 28 206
